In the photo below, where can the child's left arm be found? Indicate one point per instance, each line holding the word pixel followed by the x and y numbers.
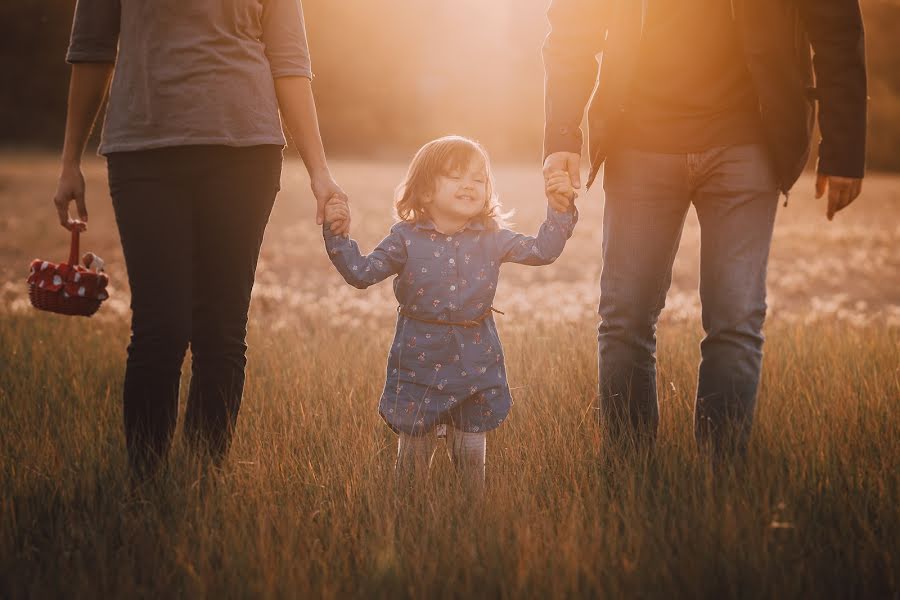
pixel 546 246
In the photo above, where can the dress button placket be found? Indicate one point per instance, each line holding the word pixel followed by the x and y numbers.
pixel 455 283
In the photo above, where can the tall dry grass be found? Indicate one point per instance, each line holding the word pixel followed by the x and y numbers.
pixel 306 505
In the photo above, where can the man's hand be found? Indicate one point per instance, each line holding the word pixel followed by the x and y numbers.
pixel 841 191
pixel 69 188
pixel 323 188
pixel 569 162
pixel 337 214
pixel 559 190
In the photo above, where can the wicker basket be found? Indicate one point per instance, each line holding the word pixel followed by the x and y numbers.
pixel 66 288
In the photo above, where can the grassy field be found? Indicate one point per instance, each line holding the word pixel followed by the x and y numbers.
pixel 306 506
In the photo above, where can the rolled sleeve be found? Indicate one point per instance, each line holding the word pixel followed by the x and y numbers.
pixel 95 31
pixel 284 36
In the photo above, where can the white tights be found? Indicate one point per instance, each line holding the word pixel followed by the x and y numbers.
pixel 467 452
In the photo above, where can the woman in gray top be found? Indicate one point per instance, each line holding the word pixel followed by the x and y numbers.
pixel 193 143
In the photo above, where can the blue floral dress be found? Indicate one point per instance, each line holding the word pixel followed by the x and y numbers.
pixel 449 373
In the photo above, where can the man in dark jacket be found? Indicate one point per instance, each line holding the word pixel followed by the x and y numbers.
pixel 709 102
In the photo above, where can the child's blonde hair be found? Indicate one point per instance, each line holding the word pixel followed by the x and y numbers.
pixel 439 157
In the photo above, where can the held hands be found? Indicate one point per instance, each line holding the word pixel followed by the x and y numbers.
pixel 337 214
pixel 569 163
pixel 560 191
pixel 841 192
pixel 324 187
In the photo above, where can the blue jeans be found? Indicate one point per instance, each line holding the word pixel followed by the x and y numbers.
pixel 734 191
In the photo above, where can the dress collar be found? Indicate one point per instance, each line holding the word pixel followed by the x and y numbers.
pixel 426 224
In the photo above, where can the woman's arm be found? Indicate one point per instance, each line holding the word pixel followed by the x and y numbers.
pixel 298 108
pixel 87 88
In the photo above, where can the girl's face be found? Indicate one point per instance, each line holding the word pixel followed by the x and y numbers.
pixel 459 194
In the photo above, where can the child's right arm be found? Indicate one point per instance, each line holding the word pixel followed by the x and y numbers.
pixel 357 269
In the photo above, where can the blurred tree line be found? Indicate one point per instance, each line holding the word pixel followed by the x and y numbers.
pixel 392 74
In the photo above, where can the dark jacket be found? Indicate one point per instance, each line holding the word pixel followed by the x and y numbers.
pixel 776 37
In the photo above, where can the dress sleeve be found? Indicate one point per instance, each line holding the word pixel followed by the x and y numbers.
pixel 284 36
pixel 360 270
pixel 95 32
pixel 545 247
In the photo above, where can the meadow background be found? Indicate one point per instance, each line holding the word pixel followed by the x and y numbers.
pixel 306 505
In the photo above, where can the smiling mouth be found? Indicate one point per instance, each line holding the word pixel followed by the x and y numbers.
pixel 466 197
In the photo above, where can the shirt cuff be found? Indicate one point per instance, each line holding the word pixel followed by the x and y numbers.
pixel 562 138
pixel 565 219
pixel 333 240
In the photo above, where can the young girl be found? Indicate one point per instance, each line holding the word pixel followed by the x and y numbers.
pixel 445 367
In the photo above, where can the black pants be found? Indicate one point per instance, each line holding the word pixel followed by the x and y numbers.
pixel 191 220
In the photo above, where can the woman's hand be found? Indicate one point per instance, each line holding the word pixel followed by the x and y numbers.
pixel 325 188
pixel 69 188
pixel 337 214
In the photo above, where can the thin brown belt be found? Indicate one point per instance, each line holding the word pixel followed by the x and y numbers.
pixel 473 323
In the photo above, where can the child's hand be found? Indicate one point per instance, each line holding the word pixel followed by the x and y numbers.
pixel 337 215
pixel 560 193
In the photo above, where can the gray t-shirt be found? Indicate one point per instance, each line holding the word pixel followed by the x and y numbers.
pixel 191 71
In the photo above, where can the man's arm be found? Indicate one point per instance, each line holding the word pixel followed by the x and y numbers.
pixel 87 88
pixel 835 29
pixel 577 34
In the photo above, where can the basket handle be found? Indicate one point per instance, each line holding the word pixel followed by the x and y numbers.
pixel 73 249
